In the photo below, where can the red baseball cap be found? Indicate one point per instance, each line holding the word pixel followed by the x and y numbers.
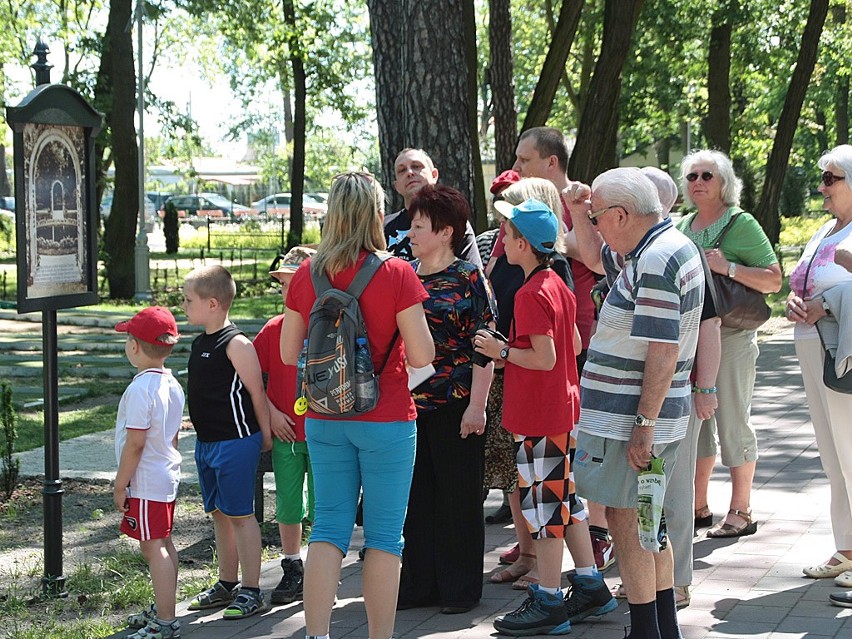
pixel 505 179
pixel 150 325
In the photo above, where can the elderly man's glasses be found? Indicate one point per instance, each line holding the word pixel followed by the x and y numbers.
pixel 594 215
pixel 705 175
pixel 829 178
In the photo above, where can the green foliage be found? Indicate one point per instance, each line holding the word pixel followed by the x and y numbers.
pixel 10 465
pixel 794 193
pixel 7 234
pixel 797 231
pixel 171 228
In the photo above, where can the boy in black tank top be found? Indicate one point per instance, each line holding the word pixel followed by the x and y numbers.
pixel 227 405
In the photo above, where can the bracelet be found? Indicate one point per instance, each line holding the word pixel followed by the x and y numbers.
pixel 705 391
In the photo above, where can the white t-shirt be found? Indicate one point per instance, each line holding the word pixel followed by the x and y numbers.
pixel 824 273
pixel 153 402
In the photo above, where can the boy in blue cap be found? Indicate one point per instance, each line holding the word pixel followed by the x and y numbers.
pixel 541 405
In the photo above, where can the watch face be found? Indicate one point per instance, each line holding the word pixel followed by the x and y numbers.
pixel 504 354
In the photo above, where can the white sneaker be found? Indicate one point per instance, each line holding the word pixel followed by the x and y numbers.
pixel 844 580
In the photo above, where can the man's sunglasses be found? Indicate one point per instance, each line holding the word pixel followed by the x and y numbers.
pixel 706 176
pixel 829 178
pixel 594 215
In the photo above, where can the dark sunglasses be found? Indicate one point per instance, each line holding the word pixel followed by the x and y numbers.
pixel 706 176
pixel 829 178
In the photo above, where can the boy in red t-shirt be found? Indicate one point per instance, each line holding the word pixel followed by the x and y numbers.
pixel 540 406
pixel 290 461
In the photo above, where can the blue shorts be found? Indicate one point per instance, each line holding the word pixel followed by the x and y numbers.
pixel 348 456
pixel 226 474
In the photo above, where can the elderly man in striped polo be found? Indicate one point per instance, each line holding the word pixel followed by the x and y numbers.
pixel 635 398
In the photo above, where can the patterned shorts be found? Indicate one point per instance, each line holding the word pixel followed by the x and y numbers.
pixel 546 482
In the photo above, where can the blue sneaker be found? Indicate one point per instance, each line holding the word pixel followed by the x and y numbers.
pixel 588 597
pixel 541 614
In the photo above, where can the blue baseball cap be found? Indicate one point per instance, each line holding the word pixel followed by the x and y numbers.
pixel 536 222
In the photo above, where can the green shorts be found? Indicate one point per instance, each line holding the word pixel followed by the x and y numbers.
pixel 602 474
pixel 291 463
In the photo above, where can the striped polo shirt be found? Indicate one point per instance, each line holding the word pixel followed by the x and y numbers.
pixel 657 297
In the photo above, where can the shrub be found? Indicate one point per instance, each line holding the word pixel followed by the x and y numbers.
pixel 11 465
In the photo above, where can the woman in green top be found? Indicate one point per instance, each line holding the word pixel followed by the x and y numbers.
pixel 746 255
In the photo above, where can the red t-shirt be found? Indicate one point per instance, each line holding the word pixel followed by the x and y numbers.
pixel 584 280
pixel 394 288
pixel 281 385
pixel 537 403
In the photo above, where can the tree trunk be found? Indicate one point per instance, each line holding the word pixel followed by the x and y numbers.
pixel 718 124
pixel 595 150
pixel 297 166
pixel 841 91
pixel 386 35
pixel 501 77
pixel 424 93
pixel 478 203
pixel 767 208
pixel 554 63
pixel 115 95
pixel 5 187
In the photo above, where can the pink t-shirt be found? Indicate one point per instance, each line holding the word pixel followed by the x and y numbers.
pixel 394 288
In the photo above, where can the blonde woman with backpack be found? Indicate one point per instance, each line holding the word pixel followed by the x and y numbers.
pixel 373 452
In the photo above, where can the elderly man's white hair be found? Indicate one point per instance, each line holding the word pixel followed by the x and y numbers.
pixel 629 188
pixel 666 187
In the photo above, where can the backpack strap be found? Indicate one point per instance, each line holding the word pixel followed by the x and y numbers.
pixel 365 273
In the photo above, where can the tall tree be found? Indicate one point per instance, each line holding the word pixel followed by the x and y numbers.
pixel 718 123
pixel 767 209
pixel 423 85
pixel 115 96
pixel 554 64
pixel 841 90
pixel 501 79
pixel 595 149
pixel 300 91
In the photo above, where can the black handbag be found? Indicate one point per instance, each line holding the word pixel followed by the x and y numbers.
pixel 738 305
pixel 829 372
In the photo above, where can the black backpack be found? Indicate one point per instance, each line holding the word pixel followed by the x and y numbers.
pixel 330 384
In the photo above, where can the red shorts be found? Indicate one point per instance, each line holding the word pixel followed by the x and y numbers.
pixel 146 519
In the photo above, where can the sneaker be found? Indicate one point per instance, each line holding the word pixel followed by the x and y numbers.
pixel 541 614
pixel 842 599
pixel 604 552
pixel 141 619
pixel 588 597
pixel 290 587
pixel 157 629
pixel 216 597
pixel 510 556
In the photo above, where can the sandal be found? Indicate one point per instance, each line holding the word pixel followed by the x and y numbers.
pixel 827 570
pixel 724 529
pixel 682 596
pixel 506 575
pixel 141 619
pixel 245 605
pixel 619 592
pixel 215 597
pixel 702 520
pixel 510 556
pixel 156 629
pixel 524 582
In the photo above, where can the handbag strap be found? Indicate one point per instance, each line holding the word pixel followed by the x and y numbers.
pixel 727 228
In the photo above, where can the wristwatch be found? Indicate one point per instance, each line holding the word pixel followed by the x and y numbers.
pixel 826 307
pixel 732 269
pixel 643 422
pixel 504 352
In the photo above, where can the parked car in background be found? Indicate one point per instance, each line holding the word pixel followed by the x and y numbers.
pixel 150 211
pixel 158 198
pixel 207 205
pixel 279 204
pixel 322 198
pixel 7 202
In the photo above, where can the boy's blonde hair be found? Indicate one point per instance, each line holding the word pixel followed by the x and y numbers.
pixel 213 282
pixel 356 204
pixel 543 191
pixel 160 350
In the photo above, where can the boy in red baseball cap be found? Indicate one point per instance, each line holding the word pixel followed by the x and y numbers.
pixel 146 483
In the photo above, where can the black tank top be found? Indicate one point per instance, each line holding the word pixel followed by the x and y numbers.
pixel 219 404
